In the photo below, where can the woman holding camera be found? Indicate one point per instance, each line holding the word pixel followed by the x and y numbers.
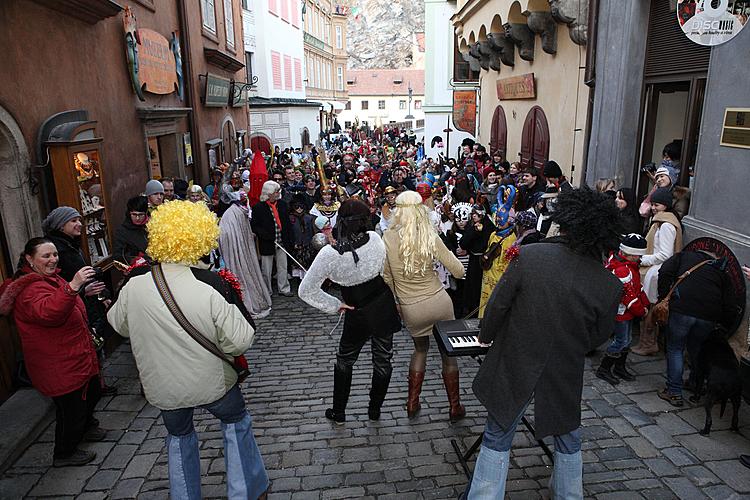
pixel 57 345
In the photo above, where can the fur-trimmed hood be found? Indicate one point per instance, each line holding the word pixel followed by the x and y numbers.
pixel 12 288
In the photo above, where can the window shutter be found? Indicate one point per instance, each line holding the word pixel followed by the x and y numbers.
pixel 297 74
pixel 285 10
pixel 287 73
pixel 273 8
pixel 295 13
pixel 668 50
pixel 276 69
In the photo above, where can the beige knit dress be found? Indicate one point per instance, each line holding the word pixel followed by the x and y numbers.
pixel 423 299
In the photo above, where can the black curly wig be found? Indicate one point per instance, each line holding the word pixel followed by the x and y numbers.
pixel 589 222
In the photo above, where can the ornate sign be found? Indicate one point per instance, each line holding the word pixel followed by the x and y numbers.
pixel 516 87
pixel 156 61
pixel 217 91
pixel 736 129
pixel 712 22
pixel 465 110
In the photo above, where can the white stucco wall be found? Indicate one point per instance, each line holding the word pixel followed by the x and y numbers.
pixel 392 112
pixel 301 117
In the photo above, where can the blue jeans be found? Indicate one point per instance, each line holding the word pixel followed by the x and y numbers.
pixel 622 337
pixel 683 331
pixel 491 469
pixel 246 474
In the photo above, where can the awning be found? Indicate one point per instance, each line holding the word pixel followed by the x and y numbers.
pixel 322 103
pixel 338 106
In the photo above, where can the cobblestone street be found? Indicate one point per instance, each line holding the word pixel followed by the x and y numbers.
pixel 636 445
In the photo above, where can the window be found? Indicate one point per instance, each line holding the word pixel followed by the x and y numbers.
pixel 340 78
pixel 326 31
pixel 381 104
pixel 401 104
pixel 245 4
pixel 328 76
pixel 276 69
pixel 319 74
pixel 288 77
pixel 347 124
pixel 208 11
pixel 229 23
pixel 339 38
pixel 297 74
pixel 249 66
pixel 295 13
pixel 365 105
pixel 462 72
pixel 417 104
pixel 273 8
pixel 348 105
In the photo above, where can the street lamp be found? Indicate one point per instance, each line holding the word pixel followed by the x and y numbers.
pixel 411 92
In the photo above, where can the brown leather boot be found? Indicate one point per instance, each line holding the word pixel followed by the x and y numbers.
pixel 457 410
pixel 647 345
pixel 415 389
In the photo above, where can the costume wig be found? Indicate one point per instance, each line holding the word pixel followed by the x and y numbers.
pixel 589 222
pixel 182 232
pixel 416 233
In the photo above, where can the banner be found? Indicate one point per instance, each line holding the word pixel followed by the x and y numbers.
pixel 465 110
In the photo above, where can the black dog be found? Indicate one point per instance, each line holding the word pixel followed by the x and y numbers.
pixel 718 367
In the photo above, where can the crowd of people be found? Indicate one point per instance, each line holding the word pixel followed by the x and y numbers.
pixel 379 233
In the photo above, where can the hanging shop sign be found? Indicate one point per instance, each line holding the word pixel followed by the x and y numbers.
pixel 217 91
pixel 516 87
pixel 239 94
pixel 735 131
pixel 465 110
pixel 712 22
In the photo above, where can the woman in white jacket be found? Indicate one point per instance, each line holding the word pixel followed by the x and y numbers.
pixel 664 239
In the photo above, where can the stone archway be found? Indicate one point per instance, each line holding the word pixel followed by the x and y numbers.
pixel 19 212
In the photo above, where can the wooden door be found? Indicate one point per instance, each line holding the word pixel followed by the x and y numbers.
pixel 260 143
pixel 499 133
pixel 535 139
pixel 8 340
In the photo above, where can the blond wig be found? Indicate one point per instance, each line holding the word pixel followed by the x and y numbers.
pixel 416 233
pixel 182 232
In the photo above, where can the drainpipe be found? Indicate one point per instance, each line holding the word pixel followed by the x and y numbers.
pixel 187 58
pixel 589 78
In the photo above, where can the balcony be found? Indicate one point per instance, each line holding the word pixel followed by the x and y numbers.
pixel 317 43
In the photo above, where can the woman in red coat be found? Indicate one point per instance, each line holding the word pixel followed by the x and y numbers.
pixel 57 346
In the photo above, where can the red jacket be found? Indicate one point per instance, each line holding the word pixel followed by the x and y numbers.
pixel 53 328
pixel 634 301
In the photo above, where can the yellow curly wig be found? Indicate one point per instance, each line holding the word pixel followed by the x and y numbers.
pixel 417 235
pixel 182 232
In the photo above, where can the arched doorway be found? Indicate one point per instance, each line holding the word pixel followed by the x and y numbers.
pixel 305 137
pixel 260 143
pixel 499 132
pixel 535 139
pixel 229 140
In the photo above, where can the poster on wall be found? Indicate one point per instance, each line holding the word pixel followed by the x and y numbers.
pixel 712 22
pixel 465 110
pixel 153 156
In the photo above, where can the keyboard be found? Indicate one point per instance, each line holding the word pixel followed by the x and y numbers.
pixel 459 337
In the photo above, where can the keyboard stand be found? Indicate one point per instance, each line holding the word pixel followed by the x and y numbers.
pixel 464 457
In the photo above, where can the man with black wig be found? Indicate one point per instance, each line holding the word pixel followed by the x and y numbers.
pixel 541 356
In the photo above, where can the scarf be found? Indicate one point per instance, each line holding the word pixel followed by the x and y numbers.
pixel 656 223
pixel 275 211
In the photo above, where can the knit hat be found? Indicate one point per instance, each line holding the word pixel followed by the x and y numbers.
pixel 662 196
pixel 633 244
pixel 153 187
pixel 552 169
pixel 661 171
pixel 58 218
pixel 526 219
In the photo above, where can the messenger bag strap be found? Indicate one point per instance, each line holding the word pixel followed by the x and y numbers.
pixel 685 275
pixel 160 281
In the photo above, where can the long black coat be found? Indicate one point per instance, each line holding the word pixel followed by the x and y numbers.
pixel 549 309
pixel 265 229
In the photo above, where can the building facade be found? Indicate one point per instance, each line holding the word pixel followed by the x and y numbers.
pixel 279 113
pixel 531 96
pixel 379 97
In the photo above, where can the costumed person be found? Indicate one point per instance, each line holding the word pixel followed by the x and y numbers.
pixel 412 245
pixel 664 239
pixel 131 237
pixel 326 205
pixel 58 350
pixel 461 216
pixel 179 374
pixel 525 229
pixel 497 257
pixel 634 304
pixel 541 355
pixel 213 190
pixel 237 244
pixel 231 188
pixel 355 263
pixel 270 223
pixel 386 210
pixel 475 240
pixel 303 229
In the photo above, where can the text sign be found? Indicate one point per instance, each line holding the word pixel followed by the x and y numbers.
pixel 156 63
pixel 465 110
pixel 736 130
pixel 217 91
pixel 516 87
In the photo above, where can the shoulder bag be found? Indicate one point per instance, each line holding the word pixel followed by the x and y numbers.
pixel 239 363
pixel 660 310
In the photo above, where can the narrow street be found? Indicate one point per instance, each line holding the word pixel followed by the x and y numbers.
pixel 635 445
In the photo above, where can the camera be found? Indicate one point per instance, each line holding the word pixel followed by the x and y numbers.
pixel 649 168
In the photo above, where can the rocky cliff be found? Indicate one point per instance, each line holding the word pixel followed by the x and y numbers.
pixel 381 32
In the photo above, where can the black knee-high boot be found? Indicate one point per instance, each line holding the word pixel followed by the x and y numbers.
pixel 380 381
pixel 342 383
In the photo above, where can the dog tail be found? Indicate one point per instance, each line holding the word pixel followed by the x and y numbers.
pixel 723 407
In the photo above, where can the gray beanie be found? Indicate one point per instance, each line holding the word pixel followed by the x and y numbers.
pixel 153 187
pixel 58 218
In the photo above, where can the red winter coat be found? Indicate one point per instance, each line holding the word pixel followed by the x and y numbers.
pixel 53 328
pixel 634 301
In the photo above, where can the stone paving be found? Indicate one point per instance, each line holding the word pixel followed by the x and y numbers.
pixel 635 445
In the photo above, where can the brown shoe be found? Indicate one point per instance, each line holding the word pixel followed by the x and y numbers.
pixel 647 345
pixel 415 389
pixel 673 399
pixel 457 410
